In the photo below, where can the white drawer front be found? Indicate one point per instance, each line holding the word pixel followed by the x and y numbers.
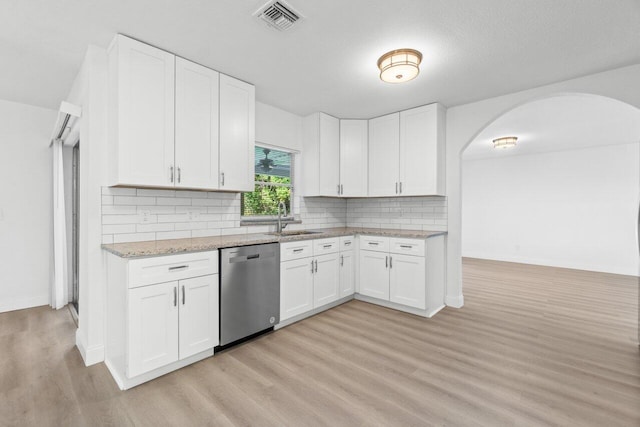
pixel 296 250
pixel 347 243
pixel 407 246
pixel 162 269
pixel 374 243
pixel 326 246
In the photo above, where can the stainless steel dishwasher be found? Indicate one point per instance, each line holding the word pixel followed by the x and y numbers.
pixel 249 291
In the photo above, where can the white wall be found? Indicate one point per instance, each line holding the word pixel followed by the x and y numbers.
pixel 25 205
pixel 466 121
pixel 572 209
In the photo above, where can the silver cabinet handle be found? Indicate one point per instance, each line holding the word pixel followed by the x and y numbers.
pixel 390 262
pixel 175 296
pixel 316 266
pixel 400 187
pixel 347 243
pixel 338 188
pixel 171 173
pixel 311 266
pixel 373 243
pixel 406 246
pixel 183 296
pixel 179 267
pixel 396 188
pixel 386 262
pixel 341 260
pixel 327 246
pixel 295 251
pixel 222 179
pixel 179 175
pixel 341 189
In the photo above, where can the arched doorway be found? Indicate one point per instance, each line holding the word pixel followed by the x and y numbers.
pixel 575 134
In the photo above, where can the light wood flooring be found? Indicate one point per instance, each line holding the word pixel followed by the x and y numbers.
pixel 532 346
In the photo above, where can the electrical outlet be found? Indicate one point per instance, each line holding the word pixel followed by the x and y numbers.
pixel 193 215
pixel 145 217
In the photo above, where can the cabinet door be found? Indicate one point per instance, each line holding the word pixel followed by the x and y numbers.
pixel 196 126
pixel 237 134
pixel 374 274
pixel 153 327
pixel 143 122
pixel 384 155
pixel 198 314
pixel 407 280
pixel 329 157
pixel 296 287
pixel 326 280
pixel 353 158
pixel 347 274
pixel 422 150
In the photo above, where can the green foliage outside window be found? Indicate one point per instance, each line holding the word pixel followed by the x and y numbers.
pixel 269 191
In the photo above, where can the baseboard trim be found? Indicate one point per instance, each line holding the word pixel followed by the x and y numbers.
pixel 455 301
pixel 127 383
pixel 395 306
pixel 24 302
pixel 90 355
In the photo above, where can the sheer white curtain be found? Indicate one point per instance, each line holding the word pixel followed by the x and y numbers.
pixel 58 295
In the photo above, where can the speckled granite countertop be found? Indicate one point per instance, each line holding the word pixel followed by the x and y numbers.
pixel 198 244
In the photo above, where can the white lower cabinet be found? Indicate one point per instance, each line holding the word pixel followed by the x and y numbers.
pixel 347 274
pixel 153 331
pixel 156 324
pixel 296 287
pixel 326 280
pixel 407 279
pixel 312 281
pixel 374 274
pixel 395 270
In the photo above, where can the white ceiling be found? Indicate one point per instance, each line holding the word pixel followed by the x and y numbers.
pixel 473 49
pixel 559 123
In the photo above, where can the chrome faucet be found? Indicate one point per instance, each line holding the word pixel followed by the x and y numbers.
pixel 282 212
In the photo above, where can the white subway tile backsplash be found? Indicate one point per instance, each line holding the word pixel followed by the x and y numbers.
pixel 164 235
pixel 146 228
pixel 133 237
pixel 134 200
pixel 118 228
pixel 176 214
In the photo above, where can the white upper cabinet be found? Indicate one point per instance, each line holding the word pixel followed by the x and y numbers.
pixel 321 155
pixel 422 150
pixel 353 158
pixel 177 124
pixel 196 126
pixel 237 134
pixel 406 153
pixel 141 111
pixel 384 155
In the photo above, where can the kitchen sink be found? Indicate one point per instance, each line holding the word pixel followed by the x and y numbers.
pixel 295 233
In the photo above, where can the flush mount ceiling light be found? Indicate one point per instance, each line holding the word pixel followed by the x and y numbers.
pixel 400 65
pixel 505 142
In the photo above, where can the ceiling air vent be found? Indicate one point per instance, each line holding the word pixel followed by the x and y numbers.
pixel 278 15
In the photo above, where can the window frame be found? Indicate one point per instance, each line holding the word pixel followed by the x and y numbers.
pixel 268 218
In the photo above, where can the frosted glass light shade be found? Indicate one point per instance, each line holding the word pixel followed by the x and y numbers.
pixel 505 142
pixel 400 65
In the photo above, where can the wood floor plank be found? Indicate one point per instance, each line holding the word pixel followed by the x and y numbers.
pixel 533 346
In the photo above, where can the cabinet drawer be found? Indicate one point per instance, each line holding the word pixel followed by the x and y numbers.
pixel 296 250
pixel 347 243
pixel 162 269
pixel 374 243
pixel 326 246
pixel 407 246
